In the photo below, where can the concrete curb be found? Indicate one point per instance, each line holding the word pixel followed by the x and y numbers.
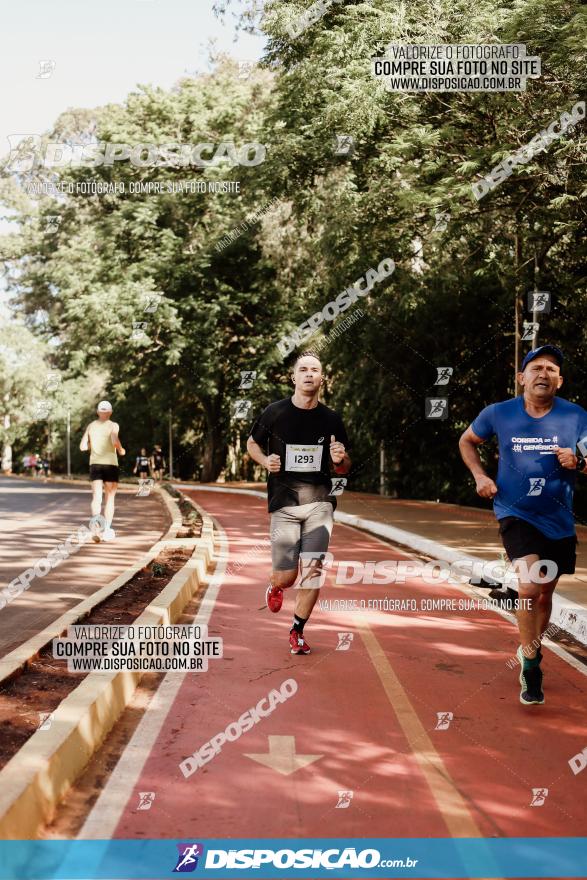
pixel 35 779
pixel 173 510
pixel 568 615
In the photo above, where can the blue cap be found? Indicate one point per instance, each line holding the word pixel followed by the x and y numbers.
pixel 543 349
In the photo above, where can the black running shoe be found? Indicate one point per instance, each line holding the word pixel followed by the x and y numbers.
pixel 531 683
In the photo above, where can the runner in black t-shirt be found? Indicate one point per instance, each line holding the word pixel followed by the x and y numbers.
pixel 299 441
pixel 157 463
pixel 142 465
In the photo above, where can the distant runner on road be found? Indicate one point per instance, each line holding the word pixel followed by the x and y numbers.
pixel 142 465
pixel 157 463
pixel 300 441
pixel 101 438
pixel 538 435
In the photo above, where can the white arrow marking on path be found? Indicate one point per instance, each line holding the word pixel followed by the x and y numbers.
pixel 282 756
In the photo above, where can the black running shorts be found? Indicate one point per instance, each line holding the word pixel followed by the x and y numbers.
pixel 520 538
pixel 106 472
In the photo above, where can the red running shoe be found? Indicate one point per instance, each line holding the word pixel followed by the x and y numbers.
pixel 297 643
pixel 274 598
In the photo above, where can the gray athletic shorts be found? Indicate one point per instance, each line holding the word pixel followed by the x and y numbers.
pixel 304 528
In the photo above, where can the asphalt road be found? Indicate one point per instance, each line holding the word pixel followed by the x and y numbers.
pixel 37 515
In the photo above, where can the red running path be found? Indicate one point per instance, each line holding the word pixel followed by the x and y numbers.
pixel 369 712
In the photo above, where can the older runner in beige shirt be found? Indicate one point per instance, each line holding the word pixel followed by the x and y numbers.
pixel 101 439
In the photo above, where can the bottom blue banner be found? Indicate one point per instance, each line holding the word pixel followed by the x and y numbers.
pixel 382 858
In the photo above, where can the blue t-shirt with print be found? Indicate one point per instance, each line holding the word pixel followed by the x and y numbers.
pixel 531 483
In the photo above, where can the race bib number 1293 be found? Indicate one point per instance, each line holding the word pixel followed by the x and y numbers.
pixel 303 458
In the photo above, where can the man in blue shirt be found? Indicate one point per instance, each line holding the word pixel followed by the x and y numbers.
pixel 537 434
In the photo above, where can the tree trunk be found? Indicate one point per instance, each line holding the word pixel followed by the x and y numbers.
pixel 6 465
pixel 7 458
pixel 216 445
pixel 518 306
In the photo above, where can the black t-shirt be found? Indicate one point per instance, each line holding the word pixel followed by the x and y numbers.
pixel 142 463
pixel 301 437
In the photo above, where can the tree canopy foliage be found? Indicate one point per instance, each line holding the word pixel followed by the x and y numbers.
pixel 234 272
